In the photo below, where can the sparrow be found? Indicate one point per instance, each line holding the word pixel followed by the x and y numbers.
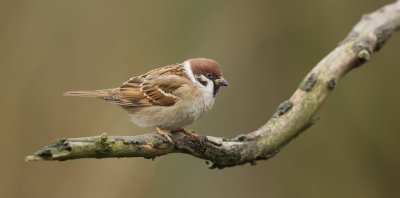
pixel 167 98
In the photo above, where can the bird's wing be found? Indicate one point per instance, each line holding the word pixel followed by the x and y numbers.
pixel 156 87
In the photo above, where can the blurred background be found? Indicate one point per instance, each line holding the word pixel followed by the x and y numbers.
pixel 265 48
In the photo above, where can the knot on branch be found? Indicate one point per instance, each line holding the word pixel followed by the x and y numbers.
pixel 363 55
pixel 383 33
pixel 103 144
pixel 283 108
pixel 331 83
pixel 309 82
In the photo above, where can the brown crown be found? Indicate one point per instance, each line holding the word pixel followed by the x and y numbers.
pixel 204 65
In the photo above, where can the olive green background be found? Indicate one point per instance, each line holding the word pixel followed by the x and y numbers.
pixel 265 49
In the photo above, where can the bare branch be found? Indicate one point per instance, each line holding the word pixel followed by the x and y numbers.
pixel 292 117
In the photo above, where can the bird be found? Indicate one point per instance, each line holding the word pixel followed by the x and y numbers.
pixel 166 98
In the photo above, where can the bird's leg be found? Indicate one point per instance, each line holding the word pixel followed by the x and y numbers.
pixel 165 134
pixel 195 135
pixel 189 132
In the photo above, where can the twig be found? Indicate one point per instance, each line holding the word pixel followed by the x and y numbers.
pixel 291 118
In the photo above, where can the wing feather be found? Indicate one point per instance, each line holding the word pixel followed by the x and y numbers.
pixel 156 87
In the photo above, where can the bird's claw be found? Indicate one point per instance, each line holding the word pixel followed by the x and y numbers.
pixel 195 135
pixel 189 133
pixel 165 134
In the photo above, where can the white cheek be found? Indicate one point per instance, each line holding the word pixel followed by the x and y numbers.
pixel 209 88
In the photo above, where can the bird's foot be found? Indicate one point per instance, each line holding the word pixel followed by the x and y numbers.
pixel 189 133
pixel 165 134
pixel 195 135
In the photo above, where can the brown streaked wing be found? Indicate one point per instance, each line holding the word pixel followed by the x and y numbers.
pixel 156 87
pixel 129 94
pixel 176 69
pixel 161 90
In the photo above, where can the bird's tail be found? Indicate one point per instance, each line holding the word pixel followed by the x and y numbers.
pixel 93 93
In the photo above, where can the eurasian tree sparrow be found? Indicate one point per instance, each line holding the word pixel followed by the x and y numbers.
pixel 166 98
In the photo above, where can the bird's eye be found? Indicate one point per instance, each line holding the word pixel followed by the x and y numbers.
pixel 209 75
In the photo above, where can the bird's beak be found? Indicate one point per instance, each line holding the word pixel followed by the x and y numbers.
pixel 221 82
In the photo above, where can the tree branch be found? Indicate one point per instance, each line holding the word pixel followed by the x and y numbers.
pixel 291 118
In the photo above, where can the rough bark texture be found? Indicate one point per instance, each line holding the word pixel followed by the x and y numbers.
pixel 291 118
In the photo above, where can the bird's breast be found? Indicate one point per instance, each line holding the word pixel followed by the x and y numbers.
pixel 185 111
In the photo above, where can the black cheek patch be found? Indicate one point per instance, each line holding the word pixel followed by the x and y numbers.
pixel 203 82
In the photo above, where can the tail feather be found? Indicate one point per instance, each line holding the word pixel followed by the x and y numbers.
pixel 93 93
